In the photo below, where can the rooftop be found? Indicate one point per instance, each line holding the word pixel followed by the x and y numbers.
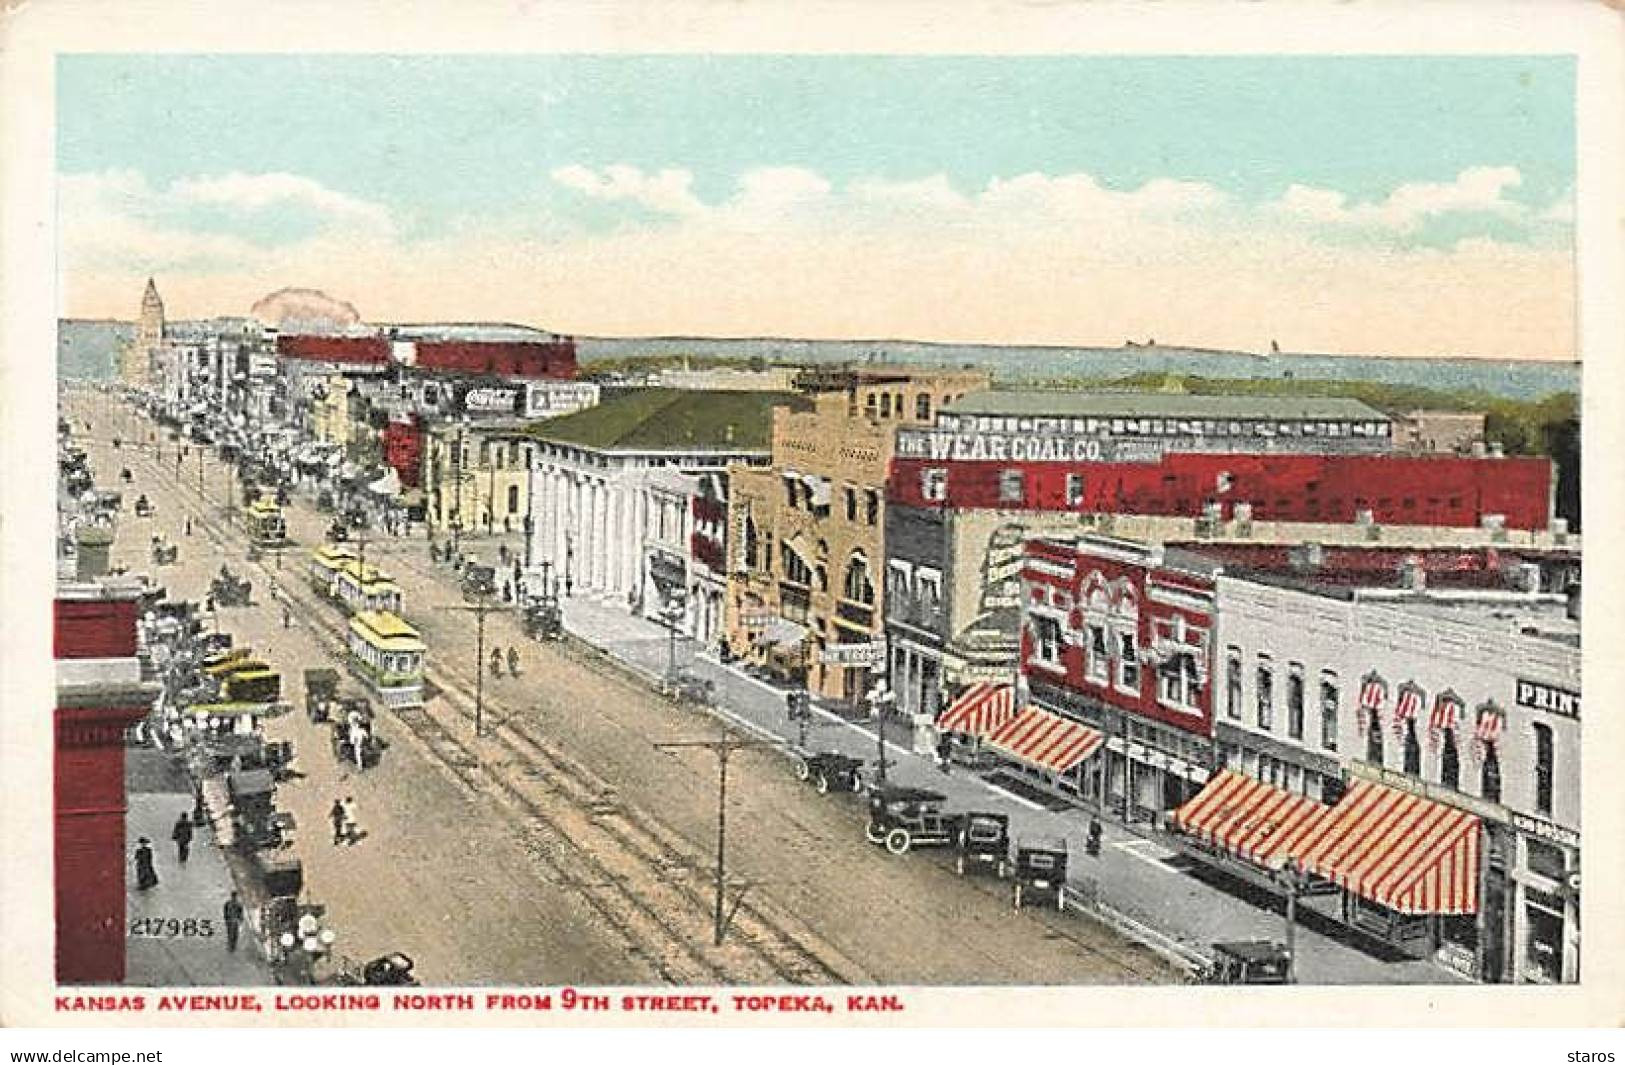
pixel 672 419
pixel 382 623
pixel 490 332
pixel 1162 405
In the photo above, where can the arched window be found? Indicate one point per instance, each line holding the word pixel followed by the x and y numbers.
pixel 857 586
pixel 1489 780
pixel 1449 760
pixel 1413 749
pixel 1373 736
pixel 750 542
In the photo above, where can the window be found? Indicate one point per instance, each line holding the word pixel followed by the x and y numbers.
pixel 856 586
pixel 1413 750
pixel 934 485
pixel 1546 859
pixel 922 406
pixel 795 567
pixel 513 499
pixel 1543 769
pixel 1489 780
pixel 1266 694
pixel 1012 486
pixel 790 493
pixel 1294 701
pixel 1128 663
pixel 1176 680
pixel 1074 489
pixel 1047 640
pixel 750 543
pixel 1232 684
pixel 821 577
pixel 1097 654
pixel 871 506
pixel 1449 760
pixel 851 503
pixel 1373 737
pixel 885 405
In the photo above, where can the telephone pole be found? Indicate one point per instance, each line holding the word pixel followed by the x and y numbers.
pixel 479 609
pixel 724 746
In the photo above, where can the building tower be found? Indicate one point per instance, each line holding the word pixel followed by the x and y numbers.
pixel 149 336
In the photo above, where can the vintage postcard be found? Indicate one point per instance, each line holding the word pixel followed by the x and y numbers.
pixel 734 514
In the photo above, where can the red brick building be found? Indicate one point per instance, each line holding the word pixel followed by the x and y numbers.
pixel 102 690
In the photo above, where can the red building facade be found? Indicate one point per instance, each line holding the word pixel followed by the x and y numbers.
pixel 554 359
pixel 403 448
pixel 100 693
pixel 358 351
pixel 1119 636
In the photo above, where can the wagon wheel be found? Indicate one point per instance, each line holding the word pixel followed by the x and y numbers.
pixel 874 833
pixel 802 769
pixel 898 841
pixel 821 784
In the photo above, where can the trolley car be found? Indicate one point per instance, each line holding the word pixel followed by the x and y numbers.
pixel 266 524
pixel 361 587
pixel 388 655
pixel 325 563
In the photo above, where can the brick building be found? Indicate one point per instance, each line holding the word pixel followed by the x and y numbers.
pixel 808 532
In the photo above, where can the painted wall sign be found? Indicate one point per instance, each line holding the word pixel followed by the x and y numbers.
pixel 490 400
pixel 869 655
pixel 547 399
pixel 1537 696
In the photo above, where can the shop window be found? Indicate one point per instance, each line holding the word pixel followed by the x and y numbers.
pixel 1232 684
pixel 1128 663
pixel 1546 859
pixel 1012 486
pixel 1489 776
pixel 1543 916
pixel 1074 489
pixel 1047 640
pixel 1543 769
pixel 1294 702
pixel 1265 690
pixel 1097 666
pixel 1413 750
pixel 933 485
pixel 1449 760
pixel 513 499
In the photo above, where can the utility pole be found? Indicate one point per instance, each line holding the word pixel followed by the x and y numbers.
pixel 880 697
pixel 479 610
pixel 724 746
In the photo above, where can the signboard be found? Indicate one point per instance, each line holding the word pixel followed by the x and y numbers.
pixel 1534 695
pixel 549 399
pixel 1545 830
pixel 485 400
pixel 262 366
pixel 1021 447
pixel 859 655
pixel 404 352
pixel 756 619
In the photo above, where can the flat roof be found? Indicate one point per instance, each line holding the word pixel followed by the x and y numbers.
pixel 382 623
pixel 1162 405
pixel 672 419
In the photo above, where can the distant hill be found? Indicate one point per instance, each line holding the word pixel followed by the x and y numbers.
pixel 89 347
pixel 1511 378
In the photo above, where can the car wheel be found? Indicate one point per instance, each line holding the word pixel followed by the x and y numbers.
pixel 897 841
pixel 802 769
pixel 874 833
pixel 821 784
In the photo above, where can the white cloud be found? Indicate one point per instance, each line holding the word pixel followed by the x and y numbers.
pixel 666 191
pixel 258 192
pixel 1478 190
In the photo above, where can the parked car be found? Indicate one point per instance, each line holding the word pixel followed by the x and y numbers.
pixel 1040 871
pixel 903 818
pixel 830 768
pixel 984 842
pixel 1254 961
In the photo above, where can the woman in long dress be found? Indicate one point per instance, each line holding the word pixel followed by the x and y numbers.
pixel 146 876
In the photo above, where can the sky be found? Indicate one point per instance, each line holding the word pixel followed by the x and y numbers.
pixel 1398 205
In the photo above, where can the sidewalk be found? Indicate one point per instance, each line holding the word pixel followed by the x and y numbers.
pixel 1136 875
pixel 159 954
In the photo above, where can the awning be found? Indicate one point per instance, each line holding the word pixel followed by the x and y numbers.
pixel 782 632
pixel 980 710
pixel 1250 819
pixel 387 485
pixel 1407 853
pixel 1045 740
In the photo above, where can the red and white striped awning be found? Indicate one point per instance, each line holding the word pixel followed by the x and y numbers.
pixel 980 710
pixel 1250 819
pixel 1373 692
pixel 1400 850
pixel 1046 740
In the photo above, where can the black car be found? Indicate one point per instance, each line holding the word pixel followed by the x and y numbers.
pixel 1040 871
pixel 827 769
pixel 1249 962
pixel 902 818
pixel 984 841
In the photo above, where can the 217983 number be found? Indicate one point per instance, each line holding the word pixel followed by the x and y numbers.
pixel 171 927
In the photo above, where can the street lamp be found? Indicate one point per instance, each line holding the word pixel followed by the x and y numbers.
pixel 672 614
pixel 880 697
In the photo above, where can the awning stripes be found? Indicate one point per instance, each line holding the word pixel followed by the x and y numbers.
pixel 980 710
pixel 1250 819
pixel 1045 740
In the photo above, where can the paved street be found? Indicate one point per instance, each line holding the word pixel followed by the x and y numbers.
pixel 475 894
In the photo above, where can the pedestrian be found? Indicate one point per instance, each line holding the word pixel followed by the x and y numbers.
pixel 336 815
pixel 358 741
pixel 145 875
pixel 1092 844
pixel 232 914
pixel 189 525
pixel 945 751
pixel 287 617
pixel 513 661
pixel 496 661
pixel 182 835
pixel 352 827
pixel 502 553
pixel 200 814
pixel 507 591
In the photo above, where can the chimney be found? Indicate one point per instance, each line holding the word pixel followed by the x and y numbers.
pixel 94 546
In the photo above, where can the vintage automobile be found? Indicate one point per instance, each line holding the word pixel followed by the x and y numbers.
pixel 321 685
pixel 1040 871
pixel 356 712
pixel 689 687
pixel 984 842
pixel 163 553
pixel 830 768
pixel 479 581
pixel 143 508
pixel 1253 961
pixel 228 589
pixel 390 970
pixel 903 818
pixel 338 532
pixel 544 620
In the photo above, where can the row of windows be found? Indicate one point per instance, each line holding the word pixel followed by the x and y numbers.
pixel 1112 659
pixel 1163 427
